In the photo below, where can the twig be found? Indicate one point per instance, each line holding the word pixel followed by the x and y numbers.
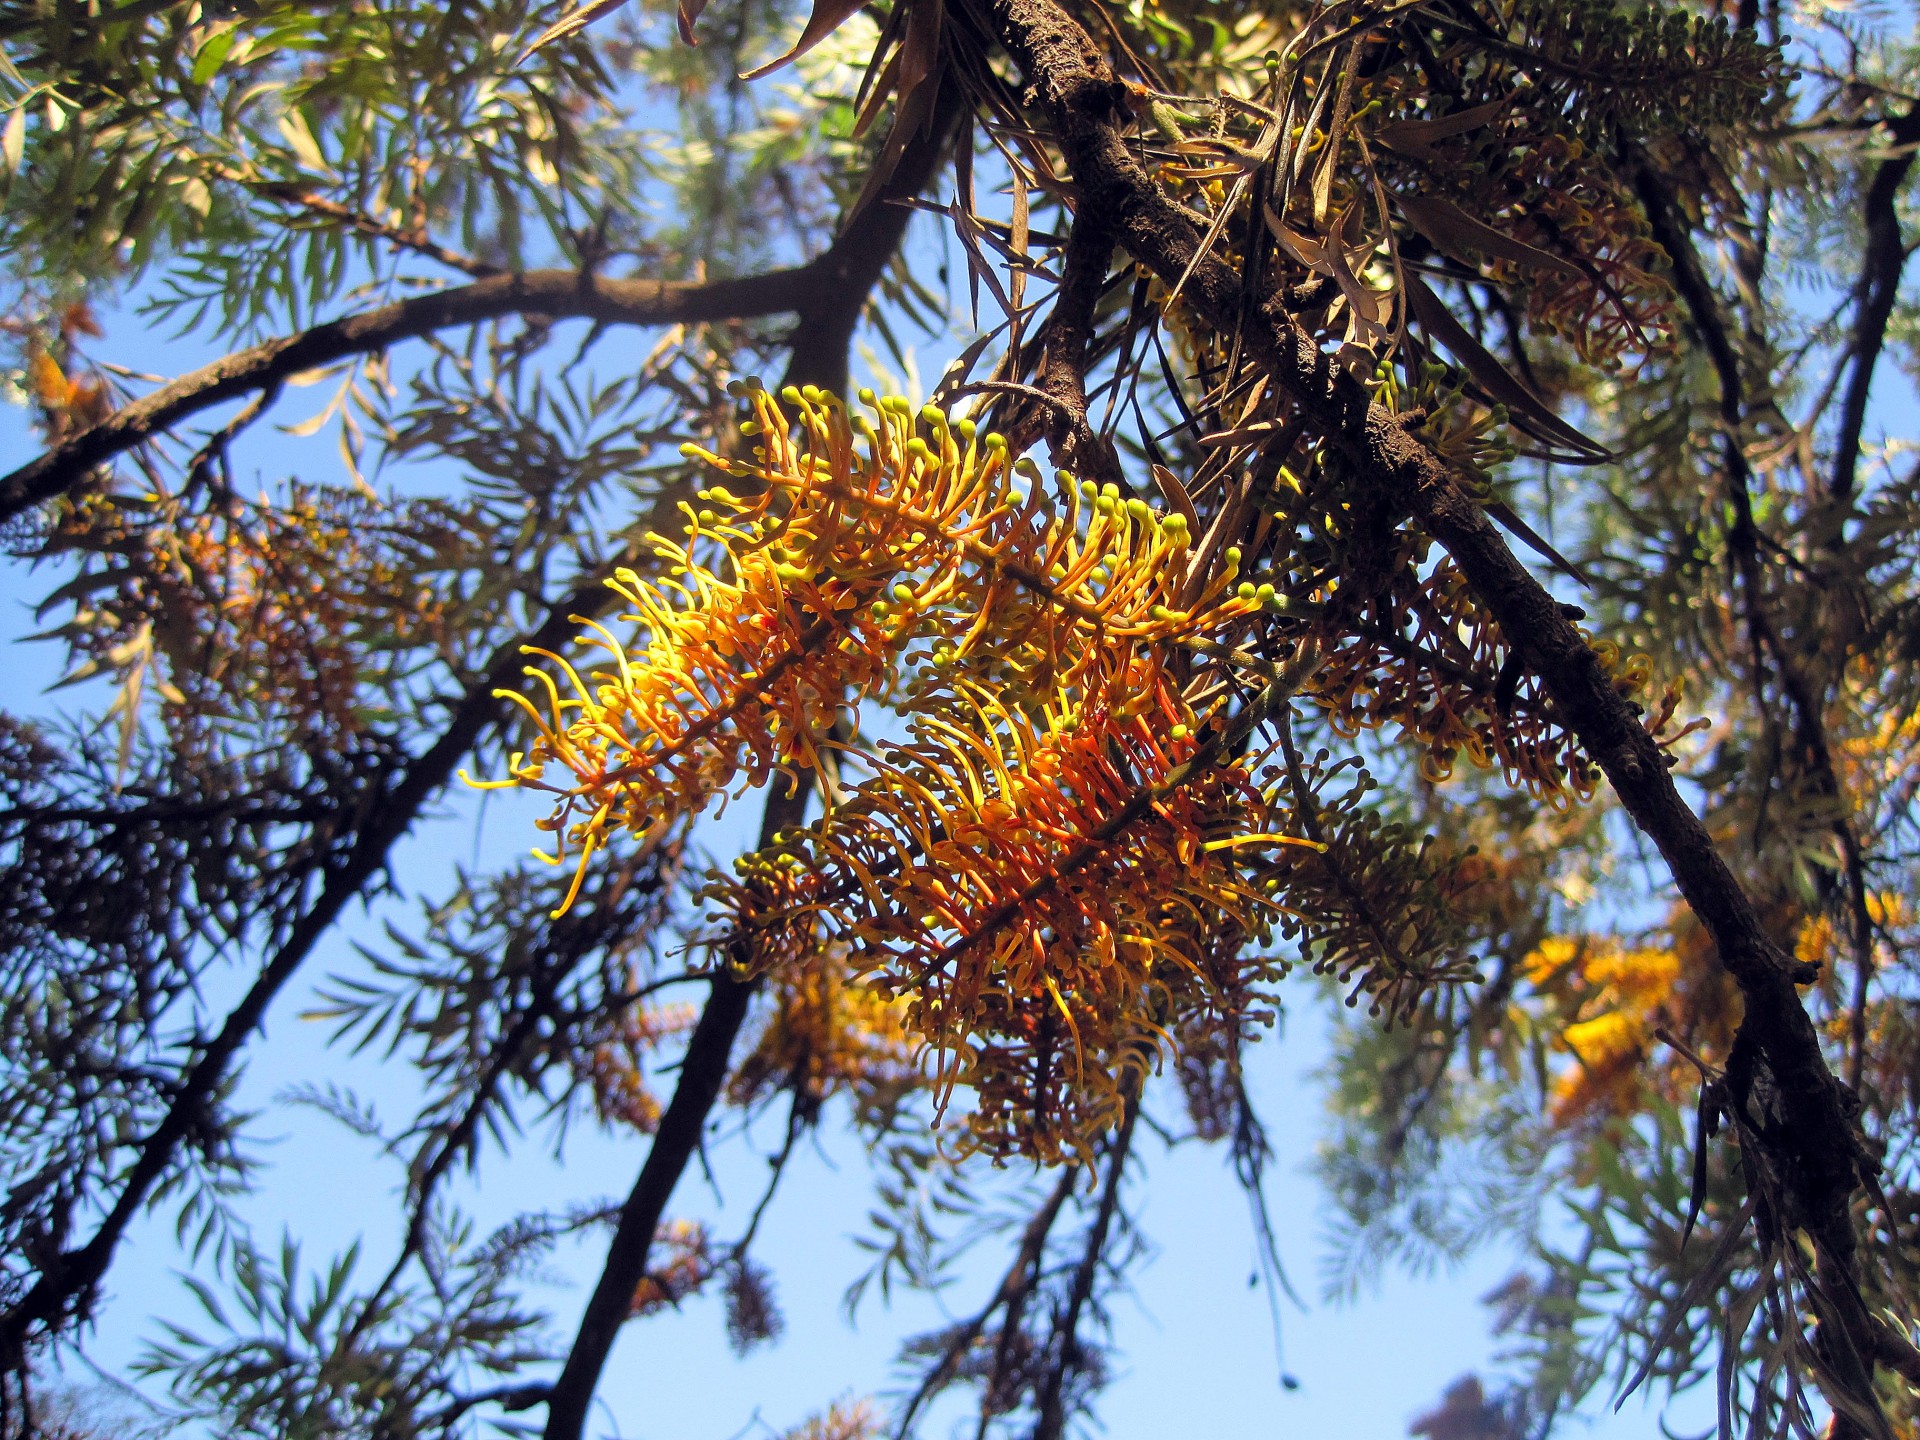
pixel 1882 260
pixel 1067 1355
pixel 1020 1278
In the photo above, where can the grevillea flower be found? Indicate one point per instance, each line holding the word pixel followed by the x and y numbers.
pixel 613 1065
pixel 826 1033
pixel 865 539
pixel 1614 999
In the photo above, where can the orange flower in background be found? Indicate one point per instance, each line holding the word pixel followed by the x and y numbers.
pixel 842 1421
pixel 827 1032
pixel 68 403
pixel 612 1067
pixel 300 611
pixel 1613 997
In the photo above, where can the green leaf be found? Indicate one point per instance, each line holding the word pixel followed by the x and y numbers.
pixel 212 55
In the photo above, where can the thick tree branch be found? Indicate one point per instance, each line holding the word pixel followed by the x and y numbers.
pixel 815 292
pixel 563 294
pixel 1056 404
pixel 1807 1119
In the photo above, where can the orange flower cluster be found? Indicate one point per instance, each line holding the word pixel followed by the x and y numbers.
pixel 68 403
pixel 280 610
pixel 1035 873
pixel 1044 898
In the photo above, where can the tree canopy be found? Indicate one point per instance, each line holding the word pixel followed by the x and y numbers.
pixel 1414 516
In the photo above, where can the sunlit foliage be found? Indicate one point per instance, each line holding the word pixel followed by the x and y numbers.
pixel 1159 668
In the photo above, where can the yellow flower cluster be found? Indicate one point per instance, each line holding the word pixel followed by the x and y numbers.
pixel 1613 997
pixel 866 540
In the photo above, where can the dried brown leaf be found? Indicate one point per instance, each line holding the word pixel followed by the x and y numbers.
pixel 1415 137
pixel 827 17
pixel 582 16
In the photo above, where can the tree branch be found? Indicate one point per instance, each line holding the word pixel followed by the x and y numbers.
pixel 812 291
pixel 1882 260
pixel 564 294
pixel 1057 402
pixel 1067 1357
pixel 1809 1126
